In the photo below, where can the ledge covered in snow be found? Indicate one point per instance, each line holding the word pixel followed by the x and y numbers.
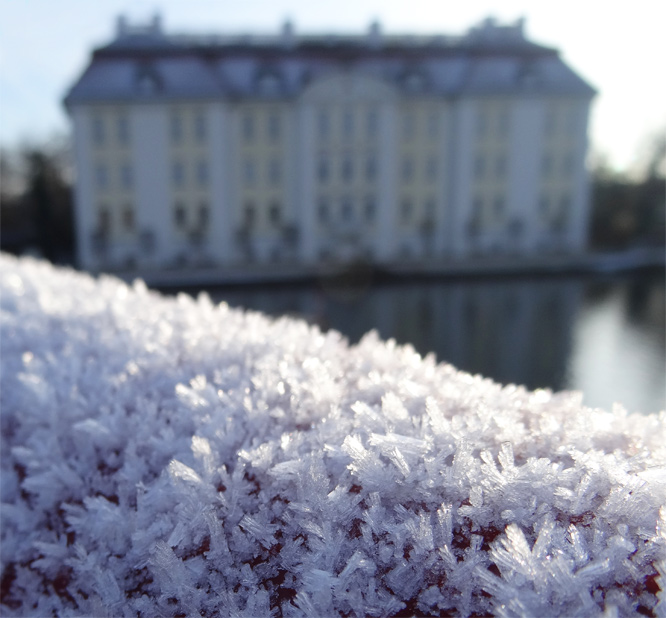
pixel 170 457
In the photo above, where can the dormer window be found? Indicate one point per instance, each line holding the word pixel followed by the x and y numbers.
pixel 414 81
pixel 268 82
pixel 147 79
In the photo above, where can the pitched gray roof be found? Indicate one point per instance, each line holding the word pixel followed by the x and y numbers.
pixel 150 66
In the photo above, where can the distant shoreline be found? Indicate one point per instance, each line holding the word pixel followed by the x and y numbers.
pixel 351 273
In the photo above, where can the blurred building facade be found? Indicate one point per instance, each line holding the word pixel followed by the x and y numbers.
pixel 194 150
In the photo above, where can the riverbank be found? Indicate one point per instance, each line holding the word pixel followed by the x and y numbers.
pixel 506 265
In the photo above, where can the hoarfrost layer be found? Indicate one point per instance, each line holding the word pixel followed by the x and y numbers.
pixel 172 457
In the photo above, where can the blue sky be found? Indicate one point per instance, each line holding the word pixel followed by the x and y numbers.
pixel 619 48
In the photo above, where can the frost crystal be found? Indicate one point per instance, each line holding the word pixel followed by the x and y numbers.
pixel 170 457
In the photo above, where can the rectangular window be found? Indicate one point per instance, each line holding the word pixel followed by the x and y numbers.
pixel 572 122
pixel 346 209
pixel 406 210
pixel 503 121
pixel 202 173
pixel 274 214
pixel 498 205
pixel 323 169
pixel 104 219
pixel 372 123
pixel 274 172
pixel 204 215
pixel 122 127
pixel 248 127
pixel 323 124
pixel 481 124
pixel 565 205
pixel 477 209
pixel 176 128
pixel 348 123
pixel 431 168
pixel 500 166
pixel 98 132
pixel 274 127
pixel 249 174
pixel 347 168
pixel 322 210
pixel 544 206
pixel 371 168
pixel 101 176
pixel 561 220
pixel 429 208
pixel 568 164
pixel 479 167
pixel 433 125
pixel 370 208
pixel 408 126
pixel 179 215
pixel 126 176
pixel 128 218
pixel 407 169
pixel 200 127
pixel 249 214
pixel 177 174
pixel 551 121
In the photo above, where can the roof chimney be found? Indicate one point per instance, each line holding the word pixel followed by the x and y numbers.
pixel 519 26
pixel 288 34
pixel 156 24
pixel 121 26
pixel 375 34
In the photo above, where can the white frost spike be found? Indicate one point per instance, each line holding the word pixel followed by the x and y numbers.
pixel 444 516
pixel 505 457
pixel 179 471
pixel 515 552
pixel 201 447
pixel 578 545
pixel 168 457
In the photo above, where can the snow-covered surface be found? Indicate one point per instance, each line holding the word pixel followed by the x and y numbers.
pixel 170 457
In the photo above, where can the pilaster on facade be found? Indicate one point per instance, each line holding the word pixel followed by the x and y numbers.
pixel 386 240
pixel 311 241
pixel 581 180
pixel 84 213
pixel 524 171
pixel 222 189
pixel 461 170
pixel 154 203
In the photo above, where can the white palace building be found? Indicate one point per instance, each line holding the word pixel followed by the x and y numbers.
pixel 229 150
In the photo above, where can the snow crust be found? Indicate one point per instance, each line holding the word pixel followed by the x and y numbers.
pixel 172 457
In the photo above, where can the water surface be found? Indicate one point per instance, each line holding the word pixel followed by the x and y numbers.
pixel 602 336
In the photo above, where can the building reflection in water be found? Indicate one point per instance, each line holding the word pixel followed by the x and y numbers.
pixel 604 338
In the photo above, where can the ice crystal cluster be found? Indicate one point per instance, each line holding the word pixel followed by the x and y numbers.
pixel 172 457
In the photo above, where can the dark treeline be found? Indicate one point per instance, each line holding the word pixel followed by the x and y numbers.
pixel 36 201
pixel 37 213
pixel 630 212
